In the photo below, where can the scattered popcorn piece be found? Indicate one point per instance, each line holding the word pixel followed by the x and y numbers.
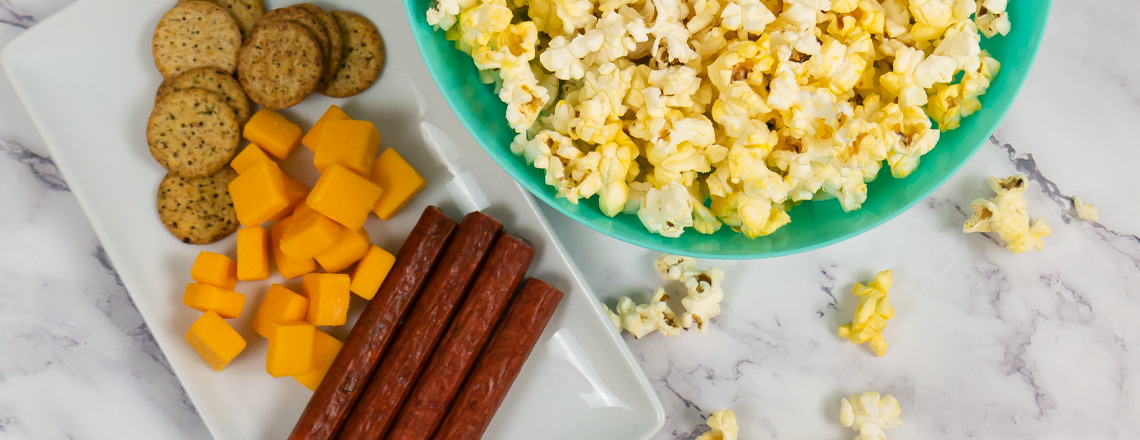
pixel 1084 210
pixel 674 267
pixel 871 314
pixel 643 319
pixel 871 414
pixel 722 425
pixel 1005 215
pixel 703 301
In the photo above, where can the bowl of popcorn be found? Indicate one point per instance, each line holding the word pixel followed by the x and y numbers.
pixel 729 128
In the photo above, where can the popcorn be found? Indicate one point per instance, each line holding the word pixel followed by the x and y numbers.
pixel 704 298
pixel 643 319
pixel 674 267
pixel 870 413
pixel 443 14
pixel 871 314
pixel 746 16
pixel 705 113
pixel 992 18
pixel 667 211
pixel 722 425
pixel 1084 210
pixel 564 57
pixel 1005 214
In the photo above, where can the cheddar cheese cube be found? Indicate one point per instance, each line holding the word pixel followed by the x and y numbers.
pixel 398 180
pixel 343 196
pixel 207 298
pixel 280 305
pixel 328 297
pixel 215 340
pixel 287 266
pixel 252 253
pixel 249 156
pixel 214 269
pixel 352 144
pixel 290 349
pixel 349 248
pixel 296 191
pixel 259 194
pixel 325 349
pixel 273 133
pixel 309 233
pixel 313 137
pixel 371 271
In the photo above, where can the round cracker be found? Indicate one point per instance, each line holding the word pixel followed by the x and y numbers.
pixel 195 34
pixel 163 90
pixel 299 16
pixel 207 78
pixel 198 210
pixel 244 12
pixel 336 44
pixel 361 59
pixel 280 64
pixel 192 133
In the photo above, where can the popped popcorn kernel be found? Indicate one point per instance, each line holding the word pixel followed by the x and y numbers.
pixel 871 314
pixel 1005 214
pixel 722 426
pixel 1084 210
pixel 870 414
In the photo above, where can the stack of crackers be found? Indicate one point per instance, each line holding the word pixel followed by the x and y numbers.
pixel 279 57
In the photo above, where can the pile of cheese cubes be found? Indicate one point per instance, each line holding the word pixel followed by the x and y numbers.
pixel 323 226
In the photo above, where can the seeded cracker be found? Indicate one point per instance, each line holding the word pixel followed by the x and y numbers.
pixel 336 45
pixel 361 59
pixel 195 34
pixel 244 12
pixel 299 16
pixel 199 210
pixel 209 79
pixel 192 133
pixel 280 64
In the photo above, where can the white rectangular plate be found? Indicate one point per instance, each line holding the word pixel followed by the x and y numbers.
pixel 87 79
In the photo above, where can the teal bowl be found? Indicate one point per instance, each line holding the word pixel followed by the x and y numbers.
pixel 814 224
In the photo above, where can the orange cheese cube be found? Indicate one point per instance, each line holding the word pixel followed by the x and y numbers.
pixel 215 340
pixel 311 139
pixel 280 305
pixel 273 133
pixel 399 181
pixel 290 349
pixel 371 271
pixel 325 349
pixel 249 156
pixel 309 233
pixel 207 298
pixel 343 196
pixel 349 248
pixel 287 266
pixel 214 269
pixel 252 253
pixel 296 191
pixel 259 194
pixel 328 297
pixel 352 144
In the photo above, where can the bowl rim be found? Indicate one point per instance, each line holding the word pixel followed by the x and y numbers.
pixel 549 199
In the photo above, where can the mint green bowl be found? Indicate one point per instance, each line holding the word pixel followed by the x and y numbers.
pixel 814 224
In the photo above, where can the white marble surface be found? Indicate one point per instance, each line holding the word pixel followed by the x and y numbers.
pixel 985 344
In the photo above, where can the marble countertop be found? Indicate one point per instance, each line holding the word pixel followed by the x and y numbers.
pixel 985 343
